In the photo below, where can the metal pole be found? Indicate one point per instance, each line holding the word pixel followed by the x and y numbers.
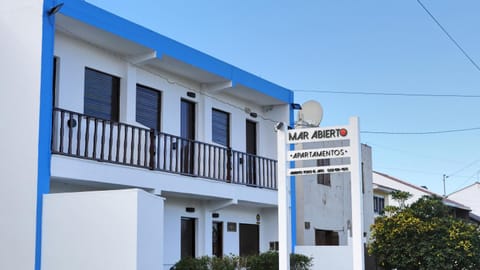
pixel 444 189
pixel 282 196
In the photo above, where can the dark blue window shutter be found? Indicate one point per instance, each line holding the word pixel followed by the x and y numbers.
pixel 220 127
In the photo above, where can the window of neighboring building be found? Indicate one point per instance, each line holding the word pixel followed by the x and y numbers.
pixel 378 204
pixel 273 246
pixel 221 127
pixel 101 97
pixel 326 238
pixel 323 179
pixel 148 107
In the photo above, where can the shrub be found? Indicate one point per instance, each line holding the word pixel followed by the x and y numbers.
pixel 300 262
pixel 225 263
pixel 263 261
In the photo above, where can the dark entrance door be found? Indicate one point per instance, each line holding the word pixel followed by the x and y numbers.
pixel 217 239
pixel 249 239
pixel 187 132
pixel 251 149
pixel 188 237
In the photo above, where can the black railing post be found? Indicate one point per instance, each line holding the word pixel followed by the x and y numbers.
pixel 229 165
pixel 152 149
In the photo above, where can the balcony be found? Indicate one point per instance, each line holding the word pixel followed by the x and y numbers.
pixel 86 137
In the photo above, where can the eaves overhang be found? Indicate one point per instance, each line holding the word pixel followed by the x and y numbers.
pixel 108 29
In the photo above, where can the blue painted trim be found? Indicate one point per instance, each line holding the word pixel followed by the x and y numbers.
pixel 101 19
pixel 45 123
pixel 293 195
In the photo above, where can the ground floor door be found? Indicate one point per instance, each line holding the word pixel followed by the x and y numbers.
pixel 217 239
pixel 249 239
pixel 188 237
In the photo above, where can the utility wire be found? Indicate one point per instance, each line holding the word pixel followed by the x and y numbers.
pixel 420 133
pixel 367 93
pixel 448 35
pixel 467 166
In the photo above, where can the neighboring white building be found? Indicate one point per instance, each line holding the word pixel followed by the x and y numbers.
pixel 324 208
pixel 469 195
pixel 384 184
pixel 124 149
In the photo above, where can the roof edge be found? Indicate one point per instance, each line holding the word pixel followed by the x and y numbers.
pixel 104 20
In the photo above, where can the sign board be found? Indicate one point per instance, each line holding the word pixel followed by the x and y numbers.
pixel 321 153
pixel 319 170
pixel 304 135
pixel 311 135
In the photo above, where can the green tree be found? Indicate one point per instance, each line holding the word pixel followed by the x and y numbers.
pixel 424 236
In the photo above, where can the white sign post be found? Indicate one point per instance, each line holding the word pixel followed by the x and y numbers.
pixel 306 135
pixel 357 196
pixel 282 198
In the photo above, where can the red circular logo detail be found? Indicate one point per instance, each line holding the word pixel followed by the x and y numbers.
pixel 343 132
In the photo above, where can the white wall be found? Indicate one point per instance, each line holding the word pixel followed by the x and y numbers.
pixel 102 230
pixel 329 207
pixel 469 196
pixel 74 55
pixel 324 207
pixel 21 28
pixel 328 257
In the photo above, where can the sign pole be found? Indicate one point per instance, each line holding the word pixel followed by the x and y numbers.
pixel 357 197
pixel 282 197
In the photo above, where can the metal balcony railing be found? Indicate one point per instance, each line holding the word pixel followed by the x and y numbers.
pixel 82 136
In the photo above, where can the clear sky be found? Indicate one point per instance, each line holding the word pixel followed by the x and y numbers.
pixel 382 46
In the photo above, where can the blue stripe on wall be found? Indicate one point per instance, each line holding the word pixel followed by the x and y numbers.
pixel 293 197
pixel 45 123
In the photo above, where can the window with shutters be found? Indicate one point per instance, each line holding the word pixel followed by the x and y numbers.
pixel 148 107
pixel 221 127
pixel 101 97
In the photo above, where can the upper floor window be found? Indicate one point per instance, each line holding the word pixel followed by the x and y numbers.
pixel 101 97
pixel 148 107
pixel 378 204
pixel 323 179
pixel 221 127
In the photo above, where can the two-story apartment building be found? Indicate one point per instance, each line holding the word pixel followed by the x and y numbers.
pixel 119 135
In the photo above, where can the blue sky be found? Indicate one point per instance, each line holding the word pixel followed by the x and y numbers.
pixel 357 46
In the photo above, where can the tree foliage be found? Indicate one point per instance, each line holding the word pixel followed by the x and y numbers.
pixel 425 235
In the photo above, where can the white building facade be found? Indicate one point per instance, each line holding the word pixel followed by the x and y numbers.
pixel 324 223
pixel 135 150
pixel 469 195
pixel 384 184
pixel 324 208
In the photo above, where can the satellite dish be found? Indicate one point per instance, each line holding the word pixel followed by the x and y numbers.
pixel 311 114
